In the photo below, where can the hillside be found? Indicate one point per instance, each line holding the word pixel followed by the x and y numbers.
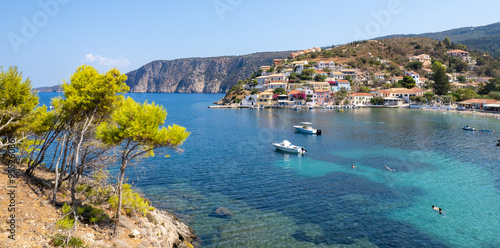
pixel 484 38
pixel 197 75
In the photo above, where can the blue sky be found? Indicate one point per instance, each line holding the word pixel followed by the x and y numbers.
pixel 49 39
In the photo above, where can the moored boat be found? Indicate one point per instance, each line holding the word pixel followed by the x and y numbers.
pixel 467 128
pixel 286 146
pixel 306 128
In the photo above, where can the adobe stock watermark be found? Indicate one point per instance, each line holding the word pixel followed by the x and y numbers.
pixel 31 26
pixel 381 19
pixel 224 6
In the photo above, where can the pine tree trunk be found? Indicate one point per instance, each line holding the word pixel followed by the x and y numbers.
pixel 54 197
pixel 118 210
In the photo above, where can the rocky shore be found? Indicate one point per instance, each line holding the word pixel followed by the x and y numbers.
pixel 35 219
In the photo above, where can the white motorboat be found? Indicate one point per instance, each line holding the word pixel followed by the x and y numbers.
pixel 467 128
pixel 286 146
pixel 306 128
pixel 296 108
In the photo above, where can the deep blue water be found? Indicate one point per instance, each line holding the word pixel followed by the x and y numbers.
pixel 319 200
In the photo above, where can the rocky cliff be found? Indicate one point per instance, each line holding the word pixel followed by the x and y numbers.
pixel 198 75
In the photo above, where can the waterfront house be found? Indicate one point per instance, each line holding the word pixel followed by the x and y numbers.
pixel 360 99
pixel 322 96
pixel 486 104
pixel 250 100
pixel 311 95
pixel 265 98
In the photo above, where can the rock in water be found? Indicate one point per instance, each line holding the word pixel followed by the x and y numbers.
pixel 222 212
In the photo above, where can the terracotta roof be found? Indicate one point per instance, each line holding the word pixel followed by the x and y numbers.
pixel 412 72
pixel 486 101
pixel 319 71
pixel 361 94
pixel 417 89
pixel 457 51
pixel 342 81
pixel 293 92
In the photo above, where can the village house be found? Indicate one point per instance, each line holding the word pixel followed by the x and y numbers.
pixel 311 95
pixel 464 55
pixel 350 72
pixel 277 77
pixel 323 96
pixel 379 76
pixel 360 99
pixel 340 84
pixel 250 100
pixel 299 66
pixel 424 58
pixel 277 62
pixel 319 85
pixel 415 77
pixel 320 72
pixel 265 67
pixel 265 98
pixel 322 65
pixel 274 85
pixel 485 104
pixel 337 75
pixel 395 79
pixel 293 55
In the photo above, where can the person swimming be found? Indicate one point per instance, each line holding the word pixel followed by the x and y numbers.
pixel 435 208
pixel 353 166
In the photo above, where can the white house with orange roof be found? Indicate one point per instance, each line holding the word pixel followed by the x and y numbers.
pixel 360 99
pixel 415 77
pixel 379 76
pixel 464 55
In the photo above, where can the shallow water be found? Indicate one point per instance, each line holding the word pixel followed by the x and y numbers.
pixel 319 200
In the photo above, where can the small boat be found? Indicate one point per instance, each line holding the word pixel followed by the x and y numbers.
pixel 286 146
pixel 340 110
pixel 296 108
pixel 467 128
pixel 306 128
pixel 311 107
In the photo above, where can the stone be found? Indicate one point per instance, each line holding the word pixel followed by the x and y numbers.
pixel 222 212
pixel 134 234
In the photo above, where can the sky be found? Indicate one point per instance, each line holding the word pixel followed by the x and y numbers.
pixel 49 39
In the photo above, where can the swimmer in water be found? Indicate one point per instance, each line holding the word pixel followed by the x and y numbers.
pixel 435 208
pixel 353 166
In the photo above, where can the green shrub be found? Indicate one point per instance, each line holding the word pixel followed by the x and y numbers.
pixel 91 215
pixel 132 202
pixel 59 240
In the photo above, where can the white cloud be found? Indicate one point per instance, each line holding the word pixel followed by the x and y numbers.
pixel 100 60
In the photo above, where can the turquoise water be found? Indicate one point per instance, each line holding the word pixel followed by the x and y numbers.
pixel 319 200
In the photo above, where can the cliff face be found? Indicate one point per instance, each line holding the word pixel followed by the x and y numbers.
pixel 197 75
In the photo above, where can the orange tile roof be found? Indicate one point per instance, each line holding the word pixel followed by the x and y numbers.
pixel 319 71
pixel 361 94
pixel 342 81
pixel 486 101
pixel 293 92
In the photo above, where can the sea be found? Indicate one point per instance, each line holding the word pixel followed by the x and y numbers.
pixel 405 162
